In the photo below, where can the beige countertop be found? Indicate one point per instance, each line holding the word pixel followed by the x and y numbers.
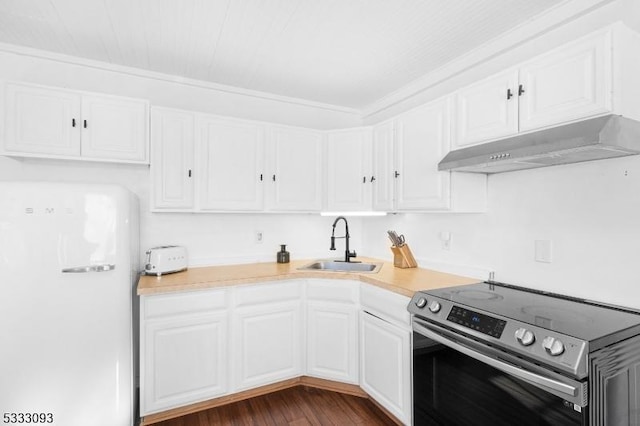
pixel 402 281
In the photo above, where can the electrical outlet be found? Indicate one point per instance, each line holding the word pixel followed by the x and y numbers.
pixel 543 252
pixel 445 240
pixel 259 237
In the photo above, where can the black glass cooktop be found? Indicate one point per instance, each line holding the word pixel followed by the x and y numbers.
pixel 574 317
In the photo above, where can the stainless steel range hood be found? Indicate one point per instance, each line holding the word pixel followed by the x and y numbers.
pixel 593 139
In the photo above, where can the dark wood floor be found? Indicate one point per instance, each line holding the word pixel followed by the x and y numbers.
pixel 297 406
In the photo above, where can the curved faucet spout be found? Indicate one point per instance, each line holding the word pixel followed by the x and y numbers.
pixel 348 254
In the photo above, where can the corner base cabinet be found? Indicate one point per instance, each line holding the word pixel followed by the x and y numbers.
pixel 183 349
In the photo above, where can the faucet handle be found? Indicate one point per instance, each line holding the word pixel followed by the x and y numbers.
pixel 352 253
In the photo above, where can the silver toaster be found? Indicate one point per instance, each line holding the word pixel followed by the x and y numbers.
pixel 165 260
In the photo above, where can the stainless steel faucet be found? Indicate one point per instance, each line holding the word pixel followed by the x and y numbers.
pixel 347 254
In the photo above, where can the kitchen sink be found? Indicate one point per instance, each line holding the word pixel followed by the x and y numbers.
pixel 337 266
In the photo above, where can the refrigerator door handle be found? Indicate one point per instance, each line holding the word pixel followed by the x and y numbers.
pixel 91 268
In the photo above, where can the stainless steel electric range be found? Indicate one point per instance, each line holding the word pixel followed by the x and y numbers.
pixel 496 354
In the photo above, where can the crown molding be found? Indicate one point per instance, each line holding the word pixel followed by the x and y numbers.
pixel 154 75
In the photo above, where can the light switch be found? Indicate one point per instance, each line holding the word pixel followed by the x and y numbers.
pixel 543 252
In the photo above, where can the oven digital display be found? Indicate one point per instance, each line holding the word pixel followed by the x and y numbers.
pixel 475 321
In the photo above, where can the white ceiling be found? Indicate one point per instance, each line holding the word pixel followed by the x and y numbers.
pixel 347 53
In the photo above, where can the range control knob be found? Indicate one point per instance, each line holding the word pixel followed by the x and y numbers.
pixel 421 303
pixel 435 306
pixel 525 337
pixel 553 346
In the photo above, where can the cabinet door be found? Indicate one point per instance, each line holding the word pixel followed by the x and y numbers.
pixel 423 138
pixel 183 361
pixel 267 344
pixel 349 170
pixel 172 135
pixel 230 171
pixel 294 180
pixel 42 121
pixel 115 128
pixel 571 83
pixel 382 177
pixel 385 365
pixel 332 341
pixel 487 110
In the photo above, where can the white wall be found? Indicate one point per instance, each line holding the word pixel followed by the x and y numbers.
pixel 590 211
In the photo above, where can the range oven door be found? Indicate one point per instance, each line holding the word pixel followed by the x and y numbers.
pixel 455 384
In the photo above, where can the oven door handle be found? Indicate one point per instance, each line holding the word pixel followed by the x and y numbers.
pixel 502 366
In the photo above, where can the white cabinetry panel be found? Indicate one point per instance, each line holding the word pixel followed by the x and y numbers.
pixel 349 170
pixel 385 365
pixel 184 360
pixel 487 109
pixel 172 134
pixel 268 344
pixel 423 138
pixel 231 164
pixel 382 176
pixel 294 175
pixel 58 123
pixel 42 121
pixel 114 128
pixel 567 85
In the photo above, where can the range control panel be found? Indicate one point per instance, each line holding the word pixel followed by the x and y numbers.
pixel 477 321
pixel 564 352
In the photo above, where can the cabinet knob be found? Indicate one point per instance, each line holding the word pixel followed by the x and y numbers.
pixel 73 122
pixel 84 123
pixel 373 178
pixel 509 94
pixel 520 90
pixel 189 173
pixel 273 178
pixel 364 179
pixel 396 174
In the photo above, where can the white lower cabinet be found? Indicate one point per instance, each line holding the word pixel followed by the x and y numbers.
pixel 266 334
pixel 385 349
pixel 332 330
pixel 183 349
pixel 385 364
pixel 205 344
pixel 268 344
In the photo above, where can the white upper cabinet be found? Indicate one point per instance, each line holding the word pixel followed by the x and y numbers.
pixel 172 139
pixel 114 128
pixel 423 137
pixel 349 170
pixel 294 169
pixel 487 110
pixel 58 123
pixel 569 83
pixel 406 152
pixel 42 121
pixel 231 172
pixel 383 174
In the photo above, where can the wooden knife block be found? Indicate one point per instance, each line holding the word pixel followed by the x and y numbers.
pixel 402 257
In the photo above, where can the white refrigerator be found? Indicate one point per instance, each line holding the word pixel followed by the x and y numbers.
pixel 68 267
